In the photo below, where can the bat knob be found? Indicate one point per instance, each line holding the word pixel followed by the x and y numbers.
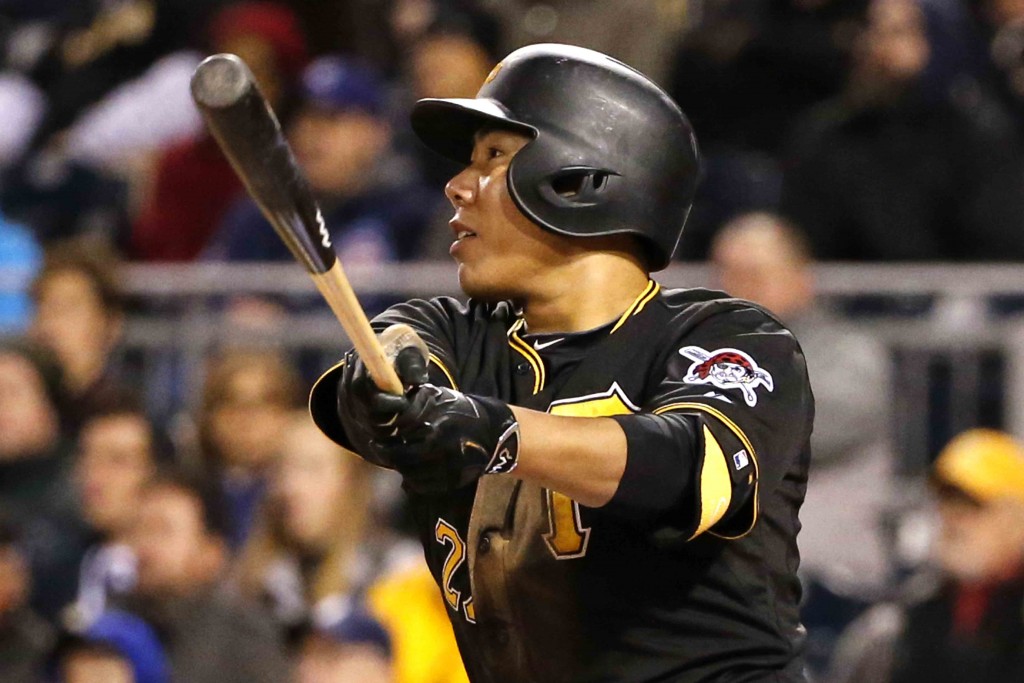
pixel 221 81
pixel 399 337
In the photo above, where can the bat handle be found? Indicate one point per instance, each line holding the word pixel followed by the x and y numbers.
pixel 334 287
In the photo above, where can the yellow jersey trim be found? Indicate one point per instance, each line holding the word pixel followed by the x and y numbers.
pixel 645 297
pixel 341 363
pixel 715 485
pixel 516 342
pixel 724 419
pixel 444 369
pixel 312 390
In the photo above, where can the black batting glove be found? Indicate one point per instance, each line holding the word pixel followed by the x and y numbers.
pixel 438 438
pixel 445 439
pixel 367 413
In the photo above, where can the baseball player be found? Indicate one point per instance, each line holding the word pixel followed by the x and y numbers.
pixel 605 474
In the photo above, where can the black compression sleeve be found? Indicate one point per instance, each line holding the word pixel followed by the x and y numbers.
pixel 660 466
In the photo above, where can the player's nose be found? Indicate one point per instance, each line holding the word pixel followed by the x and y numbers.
pixel 460 190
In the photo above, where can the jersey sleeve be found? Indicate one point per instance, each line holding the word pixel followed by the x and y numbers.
pixel 436 321
pixel 730 411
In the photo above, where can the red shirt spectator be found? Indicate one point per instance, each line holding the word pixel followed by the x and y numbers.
pixel 194 184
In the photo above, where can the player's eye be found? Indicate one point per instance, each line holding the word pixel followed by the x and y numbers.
pixel 494 153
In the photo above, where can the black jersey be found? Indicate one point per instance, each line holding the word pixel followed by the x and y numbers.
pixel 697 587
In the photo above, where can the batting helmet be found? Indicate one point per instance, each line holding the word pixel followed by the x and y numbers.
pixel 611 154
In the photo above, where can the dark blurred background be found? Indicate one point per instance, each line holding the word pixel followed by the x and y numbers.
pixel 167 512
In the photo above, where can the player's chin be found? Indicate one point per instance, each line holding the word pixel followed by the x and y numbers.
pixel 483 284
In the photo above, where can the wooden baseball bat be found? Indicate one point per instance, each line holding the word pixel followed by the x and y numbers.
pixel 245 127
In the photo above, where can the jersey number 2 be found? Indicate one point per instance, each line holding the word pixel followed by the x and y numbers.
pixel 446 534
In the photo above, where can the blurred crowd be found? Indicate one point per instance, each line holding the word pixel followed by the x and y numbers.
pixel 256 551
pixel 235 543
pixel 854 119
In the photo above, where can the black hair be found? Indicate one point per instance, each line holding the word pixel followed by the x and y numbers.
pixel 465 18
pixel 97 263
pixel 10 533
pixel 45 364
pixel 204 490
pixel 129 405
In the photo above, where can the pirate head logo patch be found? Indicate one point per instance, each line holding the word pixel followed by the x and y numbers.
pixel 727 369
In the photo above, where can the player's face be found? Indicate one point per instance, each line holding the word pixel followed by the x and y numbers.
pixel 501 253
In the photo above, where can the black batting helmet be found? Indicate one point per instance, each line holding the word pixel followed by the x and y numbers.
pixel 612 153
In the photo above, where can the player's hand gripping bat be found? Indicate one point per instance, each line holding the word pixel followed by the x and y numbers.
pixel 248 132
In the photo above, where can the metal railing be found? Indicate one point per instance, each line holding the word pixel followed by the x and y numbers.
pixel 954 346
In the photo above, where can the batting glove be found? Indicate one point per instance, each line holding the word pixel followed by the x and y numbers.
pixel 440 439
pixel 367 413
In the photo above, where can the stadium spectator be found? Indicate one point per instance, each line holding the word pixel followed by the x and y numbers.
pixel 347 27
pixel 194 184
pixel 963 620
pixel 1001 23
pixel 25 639
pixel 309 546
pixel 406 601
pixel 117 454
pixel 20 252
pixel 99 45
pixel 448 60
pixel 747 68
pixel 25 106
pixel 61 199
pixel 76 53
pixel 373 210
pixel 143 114
pixel 883 173
pixel 79 317
pixel 36 492
pixel 350 648
pixel 639 32
pixel 211 637
pixel 741 74
pixel 843 551
pixel 997 93
pixel 450 52
pixel 247 399
pixel 114 647
pixel 311 558
pixel 124 132
pixel 411 19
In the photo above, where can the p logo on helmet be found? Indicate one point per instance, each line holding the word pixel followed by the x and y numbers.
pixel 494 73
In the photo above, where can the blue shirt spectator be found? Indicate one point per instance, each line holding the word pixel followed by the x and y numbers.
pixel 20 256
pixel 373 205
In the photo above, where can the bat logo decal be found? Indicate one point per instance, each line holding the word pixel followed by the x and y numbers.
pixel 325 237
pixel 727 369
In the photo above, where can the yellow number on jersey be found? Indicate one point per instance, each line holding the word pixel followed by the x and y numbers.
pixel 446 534
pixel 567 538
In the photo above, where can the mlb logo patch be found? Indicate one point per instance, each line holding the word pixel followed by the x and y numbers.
pixel 740 459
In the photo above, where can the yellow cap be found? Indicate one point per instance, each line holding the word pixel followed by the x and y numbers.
pixel 985 463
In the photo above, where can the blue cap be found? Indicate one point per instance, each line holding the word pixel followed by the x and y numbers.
pixel 133 639
pixel 356 627
pixel 343 84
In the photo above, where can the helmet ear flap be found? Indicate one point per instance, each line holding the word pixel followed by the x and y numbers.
pixel 577 186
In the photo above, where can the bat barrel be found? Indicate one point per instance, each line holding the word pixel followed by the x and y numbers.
pixel 221 81
pixel 238 116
